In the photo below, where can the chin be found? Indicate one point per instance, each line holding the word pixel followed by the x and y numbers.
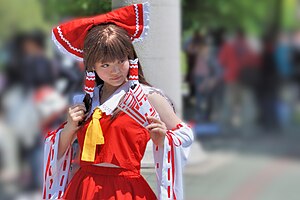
pixel 117 83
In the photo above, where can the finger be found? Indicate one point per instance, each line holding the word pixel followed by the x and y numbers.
pixel 157 130
pixel 77 118
pixel 77 108
pixel 83 113
pixel 81 106
pixel 154 119
pixel 160 123
pixel 79 113
pixel 152 126
pixel 75 105
pixel 75 115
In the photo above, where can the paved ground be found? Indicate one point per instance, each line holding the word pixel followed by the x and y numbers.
pixel 253 167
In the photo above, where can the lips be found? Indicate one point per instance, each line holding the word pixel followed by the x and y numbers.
pixel 116 78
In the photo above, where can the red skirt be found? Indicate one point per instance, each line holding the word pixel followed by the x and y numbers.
pixel 94 182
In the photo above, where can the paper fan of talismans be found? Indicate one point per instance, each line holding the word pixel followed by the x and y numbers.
pixel 135 102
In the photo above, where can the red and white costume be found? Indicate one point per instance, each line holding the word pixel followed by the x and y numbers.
pixel 125 143
pixel 113 170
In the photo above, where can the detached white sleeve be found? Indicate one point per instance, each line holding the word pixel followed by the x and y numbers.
pixel 56 171
pixel 170 160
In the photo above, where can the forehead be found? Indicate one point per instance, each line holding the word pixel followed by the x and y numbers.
pixel 111 61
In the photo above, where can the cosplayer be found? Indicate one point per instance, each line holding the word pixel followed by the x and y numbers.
pixel 115 118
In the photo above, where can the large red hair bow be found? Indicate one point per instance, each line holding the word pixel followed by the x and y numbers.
pixel 69 36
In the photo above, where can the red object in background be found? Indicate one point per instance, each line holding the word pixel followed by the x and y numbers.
pixel 50 105
pixel 235 56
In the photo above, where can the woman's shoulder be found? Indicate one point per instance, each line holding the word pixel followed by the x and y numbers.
pixel 157 96
pixel 150 90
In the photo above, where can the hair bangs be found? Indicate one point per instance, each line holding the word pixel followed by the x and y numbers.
pixel 105 44
pixel 112 50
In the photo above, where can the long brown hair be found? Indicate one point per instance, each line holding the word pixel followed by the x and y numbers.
pixel 108 43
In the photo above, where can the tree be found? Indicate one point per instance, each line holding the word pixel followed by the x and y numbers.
pixel 55 10
pixel 254 16
pixel 16 16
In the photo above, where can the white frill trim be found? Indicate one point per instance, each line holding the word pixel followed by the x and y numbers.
pixel 109 105
pixel 134 62
pixel 146 18
pixel 63 50
pixel 133 77
pixel 132 66
pixel 137 26
pixel 106 109
pixel 90 79
pixel 89 88
pixel 66 41
pixel 90 74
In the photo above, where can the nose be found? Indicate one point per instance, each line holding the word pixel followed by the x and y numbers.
pixel 115 69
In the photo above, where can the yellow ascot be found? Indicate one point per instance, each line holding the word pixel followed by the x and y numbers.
pixel 93 137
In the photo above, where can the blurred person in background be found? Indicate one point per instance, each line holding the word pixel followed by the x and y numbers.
pixel 9 159
pixel 240 63
pixel 215 39
pixel 28 65
pixel 268 86
pixel 69 74
pixel 206 78
pixel 192 49
pixel 296 59
pixel 200 74
pixel 28 72
pixel 283 57
pixel 284 66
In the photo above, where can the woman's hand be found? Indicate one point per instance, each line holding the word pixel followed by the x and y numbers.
pixel 157 130
pixel 76 114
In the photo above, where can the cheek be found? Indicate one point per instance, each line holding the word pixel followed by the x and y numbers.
pixel 101 73
pixel 125 69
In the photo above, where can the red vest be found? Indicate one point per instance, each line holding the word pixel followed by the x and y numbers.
pixel 125 142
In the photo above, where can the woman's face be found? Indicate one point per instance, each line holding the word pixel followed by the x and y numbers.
pixel 113 73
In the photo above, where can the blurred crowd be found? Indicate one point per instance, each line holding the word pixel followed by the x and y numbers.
pixel 238 80
pixel 37 83
pixel 235 80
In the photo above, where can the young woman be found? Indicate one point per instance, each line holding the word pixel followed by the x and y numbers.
pixel 113 138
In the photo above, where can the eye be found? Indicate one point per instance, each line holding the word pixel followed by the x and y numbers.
pixel 105 65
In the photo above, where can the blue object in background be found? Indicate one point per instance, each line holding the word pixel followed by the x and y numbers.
pixel 207 129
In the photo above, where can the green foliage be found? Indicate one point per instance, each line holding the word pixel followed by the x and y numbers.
pixel 55 10
pixel 290 14
pixel 253 16
pixel 20 15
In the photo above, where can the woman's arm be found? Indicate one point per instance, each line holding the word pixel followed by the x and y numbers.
pixel 76 114
pixel 168 120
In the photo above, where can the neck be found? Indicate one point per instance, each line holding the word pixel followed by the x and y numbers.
pixel 106 91
pixel 109 89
